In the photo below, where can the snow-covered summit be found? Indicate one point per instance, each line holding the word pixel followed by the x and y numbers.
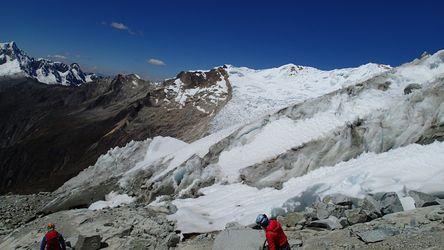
pixel 259 92
pixel 15 62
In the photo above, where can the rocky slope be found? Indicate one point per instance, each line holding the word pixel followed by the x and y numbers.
pixel 378 221
pixel 111 229
pixel 14 62
pixel 420 228
pixel 51 132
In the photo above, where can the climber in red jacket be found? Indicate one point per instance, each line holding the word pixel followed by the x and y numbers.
pixel 52 240
pixel 276 238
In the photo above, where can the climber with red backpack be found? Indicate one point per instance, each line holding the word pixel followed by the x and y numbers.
pixel 276 238
pixel 52 240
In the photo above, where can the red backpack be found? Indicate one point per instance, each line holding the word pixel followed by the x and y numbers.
pixel 52 240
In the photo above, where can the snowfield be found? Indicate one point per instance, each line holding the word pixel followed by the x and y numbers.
pixel 412 167
pixel 11 68
pixel 112 200
pixel 260 92
pixel 284 133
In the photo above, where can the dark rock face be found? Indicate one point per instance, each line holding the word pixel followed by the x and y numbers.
pixel 409 89
pixel 49 133
pixel 197 79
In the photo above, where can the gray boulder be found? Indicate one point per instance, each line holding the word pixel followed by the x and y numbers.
pixel 436 215
pixel 172 240
pixel 370 207
pixel 248 239
pixel 338 199
pixel 422 199
pixel 329 223
pixel 377 234
pixel 82 196
pixel 324 210
pixel 409 89
pixel 389 202
pixel 355 216
pixel 310 214
pixel 344 222
pixel 291 219
pixel 295 243
pixel 276 211
pixel 90 242
pixel 306 199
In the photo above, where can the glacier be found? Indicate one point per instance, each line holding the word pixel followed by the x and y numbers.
pixel 260 92
pixel 352 131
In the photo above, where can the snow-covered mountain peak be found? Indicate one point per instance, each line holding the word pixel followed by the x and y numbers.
pixel 15 62
pixel 11 51
pixel 75 66
pixel 259 92
pixel 10 45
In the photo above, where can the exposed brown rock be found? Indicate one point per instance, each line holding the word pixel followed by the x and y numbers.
pixel 49 133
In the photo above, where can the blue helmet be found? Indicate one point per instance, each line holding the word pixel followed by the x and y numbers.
pixel 262 220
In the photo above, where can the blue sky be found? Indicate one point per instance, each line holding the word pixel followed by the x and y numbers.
pixel 122 36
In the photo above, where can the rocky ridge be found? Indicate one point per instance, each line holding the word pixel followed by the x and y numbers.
pixel 49 133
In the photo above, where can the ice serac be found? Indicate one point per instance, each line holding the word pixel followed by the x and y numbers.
pixel 14 62
pixel 369 116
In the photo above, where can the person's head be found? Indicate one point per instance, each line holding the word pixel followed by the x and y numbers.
pixel 262 220
pixel 50 226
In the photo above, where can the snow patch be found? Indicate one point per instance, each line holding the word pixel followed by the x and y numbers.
pixel 159 148
pixel 112 200
pixel 408 203
pixel 10 68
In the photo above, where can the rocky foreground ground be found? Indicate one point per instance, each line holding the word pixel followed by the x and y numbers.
pixel 335 222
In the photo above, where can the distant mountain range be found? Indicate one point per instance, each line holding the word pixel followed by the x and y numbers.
pixel 15 62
